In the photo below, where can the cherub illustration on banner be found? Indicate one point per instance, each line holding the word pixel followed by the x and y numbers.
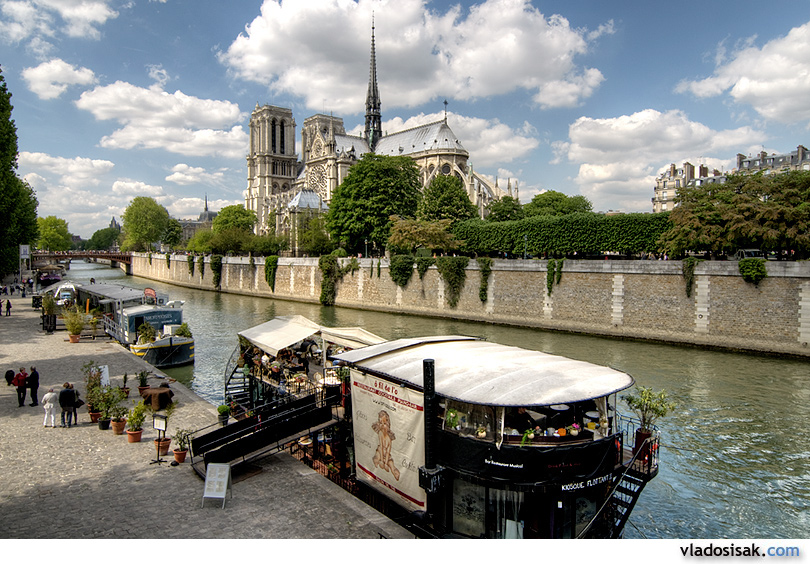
pixel 382 458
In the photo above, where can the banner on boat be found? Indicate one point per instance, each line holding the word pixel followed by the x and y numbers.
pixel 389 431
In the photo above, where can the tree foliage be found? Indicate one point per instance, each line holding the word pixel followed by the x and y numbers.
pixel 315 240
pixel 771 213
pixel 173 233
pixel 446 198
pixel 506 208
pixel 18 203
pixel 103 239
pixel 551 203
pixel 53 234
pixel 234 217
pixel 376 188
pixel 145 223
pixel 408 235
pixel 200 242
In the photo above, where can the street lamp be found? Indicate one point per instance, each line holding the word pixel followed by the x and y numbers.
pixel 366 242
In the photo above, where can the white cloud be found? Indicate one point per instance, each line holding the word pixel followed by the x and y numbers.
pixel 25 19
pixel 620 157
pixel 186 175
pixel 76 172
pixel 154 119
pixel 49 80
pixel 774 79
pixel 190 208
pixel 158 74
pixel 128 187
pixel 492 50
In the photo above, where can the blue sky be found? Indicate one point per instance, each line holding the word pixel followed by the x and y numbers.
pixel 121 98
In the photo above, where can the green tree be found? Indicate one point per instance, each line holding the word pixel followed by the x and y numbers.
pixel 53 234
pixel 267 245
pixel 103 239
pixel 234 217
pixel 376 188
pixel 446 198
pixel 173 233
pixel 200 242
pixel 408 235
pixel 145 223
pixel 505 209
pixel 556 204
pixel 18 203
pixel 315 240
pixel 233 240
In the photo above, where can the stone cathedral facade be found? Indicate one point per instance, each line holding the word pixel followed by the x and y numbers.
pixel 279 183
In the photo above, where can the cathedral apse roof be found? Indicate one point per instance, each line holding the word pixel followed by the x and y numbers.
pixel 435 136
pixel 307 199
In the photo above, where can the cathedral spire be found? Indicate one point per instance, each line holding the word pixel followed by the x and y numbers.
pixel 373 119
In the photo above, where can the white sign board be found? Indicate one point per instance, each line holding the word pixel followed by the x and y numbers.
pixel 104 371
pixel 217 482
pixel 25 252
pixel 389 431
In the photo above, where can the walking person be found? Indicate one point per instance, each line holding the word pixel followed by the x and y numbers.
pixel 49 402
pixel 77 403
pixel 19 383
pixel 32 383
pixel 67 398
pixel 8 308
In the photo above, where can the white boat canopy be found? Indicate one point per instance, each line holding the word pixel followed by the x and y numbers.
pixel 475 371
pixel 281 332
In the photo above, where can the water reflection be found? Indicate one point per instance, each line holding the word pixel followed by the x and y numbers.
pixel 734 461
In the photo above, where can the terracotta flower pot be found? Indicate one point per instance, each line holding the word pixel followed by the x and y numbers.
pixel 126 392
pixel 162 446
pixel 74 338
pixel 95 416
pixel 180 455
pixel 118 426
pixel 142 388
pixel 134 436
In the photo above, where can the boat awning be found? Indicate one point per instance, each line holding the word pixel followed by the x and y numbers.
pixel 281 332
pixel 481 372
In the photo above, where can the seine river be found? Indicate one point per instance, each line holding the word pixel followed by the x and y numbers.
pixel 734 462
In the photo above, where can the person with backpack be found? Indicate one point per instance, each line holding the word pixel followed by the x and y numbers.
pixel 67 398
pixel 19 383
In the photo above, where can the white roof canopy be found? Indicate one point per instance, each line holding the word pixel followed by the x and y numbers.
pixel 476 371
pixel 281 332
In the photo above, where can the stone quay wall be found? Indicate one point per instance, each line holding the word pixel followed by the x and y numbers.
pixel 622 299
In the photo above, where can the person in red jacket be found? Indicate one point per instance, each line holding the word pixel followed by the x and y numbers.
pixel 19 382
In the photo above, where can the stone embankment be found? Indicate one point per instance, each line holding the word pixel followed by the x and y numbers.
pixel 84 483
pixel 644 300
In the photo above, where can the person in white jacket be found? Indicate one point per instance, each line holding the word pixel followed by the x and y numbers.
pixel 49 403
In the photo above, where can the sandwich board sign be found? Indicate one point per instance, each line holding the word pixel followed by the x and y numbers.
pixel 217 482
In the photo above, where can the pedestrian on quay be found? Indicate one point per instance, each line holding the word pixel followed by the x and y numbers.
pixel 19 383
pixel 77 403
pixel 49 402
pixel 8 307
pixel 67 397
pixel 32 383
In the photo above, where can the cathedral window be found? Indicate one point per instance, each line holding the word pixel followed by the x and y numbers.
pixel 273 136
pixel 281 135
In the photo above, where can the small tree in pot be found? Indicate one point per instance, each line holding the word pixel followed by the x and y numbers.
pixel 649 406
pixel 135 419
pixel 181 438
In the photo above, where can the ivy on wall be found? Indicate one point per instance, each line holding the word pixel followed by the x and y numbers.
pixel 753 270
pixel 401 269
pixel 216 269
pixel 422 265
pixel 190 260
pixel 149 258
pixel 379 267
pixel 270 268
pixel 168 261
pixel 453 271
pixel 485 264
pixel 688 270
pixel 201 264
pixel 251 263
pixel 332 274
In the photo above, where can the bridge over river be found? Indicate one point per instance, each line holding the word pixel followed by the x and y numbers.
pixel 43 261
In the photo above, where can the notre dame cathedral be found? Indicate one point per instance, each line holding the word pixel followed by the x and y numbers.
pixel 280 186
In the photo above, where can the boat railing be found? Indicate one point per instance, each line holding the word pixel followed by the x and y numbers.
pixel 113 329
pixel 231 366
pixel 647 462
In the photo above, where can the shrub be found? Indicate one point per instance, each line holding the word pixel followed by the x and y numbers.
pixel 401 269
pixel 485 264
pixel 270 268
pixel 453 271
pixel 753 270
pixel 216 269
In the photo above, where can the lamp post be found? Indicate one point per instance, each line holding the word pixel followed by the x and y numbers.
pixel 366 242
pixel 525 243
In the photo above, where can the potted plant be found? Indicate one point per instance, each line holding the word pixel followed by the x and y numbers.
pixel 528 435
pixel 135 419
pixel 94 325
pixel 451 421
pixel 181 438
pixel 124 386
pixel 223 413
pixel 74 323
pixel 573 429
pixel 118 419
pixel 649 406
pixel 49 313
pixel 92 387
pixel 143 384
pixel 108 400
pixel 162 445
pixel 146 333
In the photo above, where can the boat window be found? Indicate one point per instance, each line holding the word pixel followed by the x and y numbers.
pixel 470 420
pixel 482 512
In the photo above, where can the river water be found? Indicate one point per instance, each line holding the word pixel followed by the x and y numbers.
pixel 734 462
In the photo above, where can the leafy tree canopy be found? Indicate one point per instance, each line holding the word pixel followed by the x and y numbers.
pixel 505 209
pixel 315 240
pixel 556 204
pixel 103 239
pixel 173 233
pixel 145 223
pixel 200 242
pixel 376 188
pixel 408 235
pixel 234 217
pixel 53 234
pixel 18 202
pixel 446 198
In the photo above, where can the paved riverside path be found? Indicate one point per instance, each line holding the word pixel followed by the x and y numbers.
pixel 83 483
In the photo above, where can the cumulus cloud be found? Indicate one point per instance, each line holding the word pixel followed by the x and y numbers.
pixel 49 80
pixel 190 208
pixel 24 19
pixel 186 175
pixel 75 172
pixel 619 158
pixel 496 47
pixel 128 187
pixel 773 79
pixel 176 122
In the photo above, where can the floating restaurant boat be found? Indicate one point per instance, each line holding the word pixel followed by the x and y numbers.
pixel 127 309
pixel 455 436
